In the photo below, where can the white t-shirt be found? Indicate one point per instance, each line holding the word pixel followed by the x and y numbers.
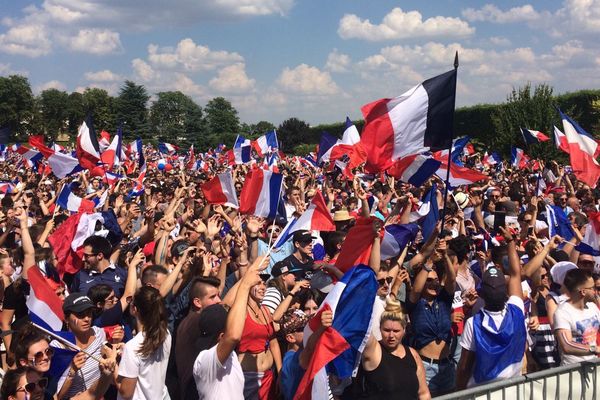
pixel 215 381
pixel 378 309
pixel 583 324
pixel 150 372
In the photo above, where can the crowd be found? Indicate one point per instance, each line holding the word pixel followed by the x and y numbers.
pixel 168 295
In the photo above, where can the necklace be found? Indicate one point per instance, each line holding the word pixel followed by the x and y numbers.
pixel 255 313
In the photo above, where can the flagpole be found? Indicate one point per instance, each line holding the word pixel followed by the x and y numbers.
pixel 447 182
pixel 64 341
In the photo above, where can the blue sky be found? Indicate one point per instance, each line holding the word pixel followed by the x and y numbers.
pixel 318 60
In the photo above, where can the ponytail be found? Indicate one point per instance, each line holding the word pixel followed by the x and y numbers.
pixel 152 314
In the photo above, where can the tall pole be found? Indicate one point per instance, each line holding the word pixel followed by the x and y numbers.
pixel 447 182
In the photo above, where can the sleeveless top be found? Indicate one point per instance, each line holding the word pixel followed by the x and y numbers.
pixel 394 377
pixel 256 336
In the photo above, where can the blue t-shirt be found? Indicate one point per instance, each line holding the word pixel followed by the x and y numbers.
pixel 431 322
pixel 291 374
pixel 113 276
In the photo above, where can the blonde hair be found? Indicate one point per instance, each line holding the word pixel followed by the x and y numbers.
pixel 393 312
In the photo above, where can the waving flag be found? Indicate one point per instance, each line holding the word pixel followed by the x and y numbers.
pixel 87 148
pixel 266 144
pixel 433 216
pixel 518 158
pixel 591 240
pixel 533 137
pixel 339 347
pixel 356 248
pixel 220 190
pixel 459 148
pixel 415 169
pixel 32 156
pixel 261 193
pixel 45 307
pixel 7 187
pixel 70 201
pixel 491 159
pixel 167 148
pixel 113 155
pixel 325 147
pixel 460 175
pixel 560 140
pixel 419 120
pixel 62 164
pixel 104 140
pixel 558 223
pixel 583 150
pixel 316 217
pixel 395 239
pixel 348 153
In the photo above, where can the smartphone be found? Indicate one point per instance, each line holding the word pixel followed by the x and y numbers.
pixel 530 231
pixel 499 220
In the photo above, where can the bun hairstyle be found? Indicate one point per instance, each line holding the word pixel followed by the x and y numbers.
pixel 393 312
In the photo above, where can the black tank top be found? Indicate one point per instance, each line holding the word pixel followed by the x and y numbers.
pixel 394 378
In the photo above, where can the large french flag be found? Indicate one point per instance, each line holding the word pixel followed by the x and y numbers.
pixel 220 190
pixel 560 140
pixel 518 158
pixel 87 148
pixel 62 164
pixel 261 193
pixel 340 346
pixel 533 137
pixel 32 156
pixel 460 175
pixel 583 150
pixel 356 248
pixel 395 239
pixel 415 169
pixel 70 201
pixel 266 144
pixel 417 121
pixel 45 307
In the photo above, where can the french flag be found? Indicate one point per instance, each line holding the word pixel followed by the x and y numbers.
pixel 491 159
pixel 349 151
pixel 220 190
pixel 560 140
pixel 591 240
pixel 266 144
pixel 339 347
pixel 57 147
pixel 45 307
pixel 458 150
pixel 112 178
pixel 460 175
pixel 316 217
pixel 583 150
pixel 241 152
pixel 113 155
pixel 261 193
pixel 415 169
pixel 167 148
pixel 395 238
pixel 356 248
pixel 62 164
pixel 518 158
pixel 533 137
pixel 104 140
pixel 32 156
pixel 328 141
pixel 431 207
pixel 417 121
pixel 87 149
pixel 7 187
pixel 69 201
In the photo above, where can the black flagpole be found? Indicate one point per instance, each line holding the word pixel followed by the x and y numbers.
pixel 447 182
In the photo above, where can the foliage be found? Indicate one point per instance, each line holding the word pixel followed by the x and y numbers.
pixel 221 117
pixel 131 110
pixel 293 132
pixel 75 110
pixel 101 106
pixel 53 111
pixel 16 104
pixel 176 118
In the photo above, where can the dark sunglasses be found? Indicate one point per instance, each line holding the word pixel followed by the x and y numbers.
pixel 39 356
pixel 383 281
pixel 30 387
pixel 544 276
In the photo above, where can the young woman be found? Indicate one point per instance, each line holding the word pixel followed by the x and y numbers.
pixel 390 369
pixel 23 383
pixel 143 367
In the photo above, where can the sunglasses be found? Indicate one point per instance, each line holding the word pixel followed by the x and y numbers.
pixel 274 231
pixel 431 280
pixel 30 387
pixel 383 281
pixel 544 276
pixel 39 356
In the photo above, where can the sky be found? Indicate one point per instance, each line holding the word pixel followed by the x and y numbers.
pixel 317 60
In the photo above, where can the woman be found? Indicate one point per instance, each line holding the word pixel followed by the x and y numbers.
pixel 390 369
pixel 143 367
pixel 258 350
pixel 544 351
pixel 23 383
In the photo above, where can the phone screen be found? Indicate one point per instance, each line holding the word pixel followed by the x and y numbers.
pixel 499 220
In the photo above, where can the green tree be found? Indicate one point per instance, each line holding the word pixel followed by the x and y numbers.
pixel 75 109
pixel 16 104
pixel 131 110
pixel 54 112
pixel 176 118
pixel 258 129
pixel 221 117
pixel 292 132
pixel 101 105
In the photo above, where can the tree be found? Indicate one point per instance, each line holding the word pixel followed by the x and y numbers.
pixel 75 109
pixel 52 104
pixel 175 117
pixel 131 110
pixel 221 117
pixel 258 129
pixel 16 104
pixel 292 132
pixel 101 105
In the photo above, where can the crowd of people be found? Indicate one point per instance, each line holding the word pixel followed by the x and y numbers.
pixel 169 296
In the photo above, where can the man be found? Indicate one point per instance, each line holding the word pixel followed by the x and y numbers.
pixel 217 371
pixel 204 292
pixel 98 268
pixel 576 321
pixel 500 326
pixel 301 258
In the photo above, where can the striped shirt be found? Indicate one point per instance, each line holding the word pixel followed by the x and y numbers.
pixel 273 298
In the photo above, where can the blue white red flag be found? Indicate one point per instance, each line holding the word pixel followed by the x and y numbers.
pixel 87 149
pixel 70 201
pixel 45 307
pixel 460 175
pixel 395 239
pixel 560 140
pixel 533 137
pixel 167 148
pixel 518 158
pixel 266 144
pixel 415 169
pixel 220 190
pixel 430 202
pixel 583 150
pixel 261 193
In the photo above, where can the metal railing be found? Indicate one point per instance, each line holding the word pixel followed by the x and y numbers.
pixel 570 382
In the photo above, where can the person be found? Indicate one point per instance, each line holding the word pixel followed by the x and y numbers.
pixel 23 383
pixel 577 321
pixel 143 367
pixel 390 369
pixel 217 369
pixel 493 340
pixel 301 258
pixel 284 279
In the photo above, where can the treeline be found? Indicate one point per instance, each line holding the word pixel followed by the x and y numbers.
pixel 174 117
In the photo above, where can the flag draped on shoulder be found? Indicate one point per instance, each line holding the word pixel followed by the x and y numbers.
pixel 220 190
pixel 339 347
pixel 419 120
pixel 261 193
pixel 583 150
pixel 87 148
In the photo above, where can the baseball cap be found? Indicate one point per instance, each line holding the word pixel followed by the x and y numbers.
pixel 284 267
pixel 211 324
pixel 559 270
pixel 179 247
pixel 77 302
pixel 303 236
pixel 493 286
pixel 293 321
pixel 321 281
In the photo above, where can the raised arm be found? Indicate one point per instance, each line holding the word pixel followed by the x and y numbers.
pixel 514 280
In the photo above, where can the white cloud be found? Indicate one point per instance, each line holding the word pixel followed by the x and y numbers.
pixel 190 57
pixel 581 16
pixel 307 80
pixel 96 41
pixel 103 76
pixel 491 13
pixel 400 25
pixel 232 79
pixel 500 41
pixel 54 84
pixel 142 70
pixel 26 39
pixel 337 62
